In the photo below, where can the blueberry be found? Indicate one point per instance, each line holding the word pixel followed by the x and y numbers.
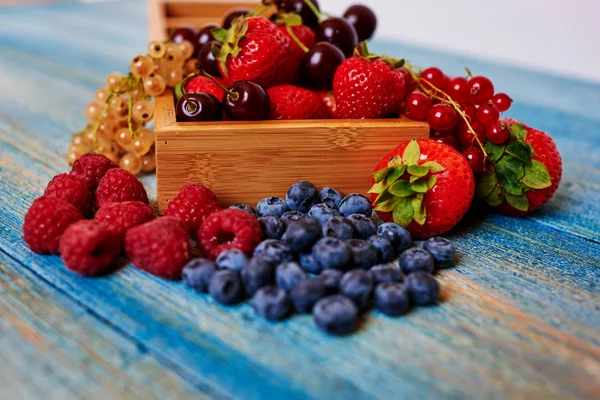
pixel 386 273
pixel 339 227
pixel 272 227
pixel 363 226
pixel 331 278
pixel 322 212
pixel 291 216
pixel 442 251
pixel 274 251
pixel 301 235
pixel 196 273
pixel 246 208
pixel 256 274
pixel 364 254
pixel 357 285
pixel 272 303
pixel 415 259
pixel 392 298
pixel 399 236
pixel 301 196
pixel 336 314
pixel 271 206
pixel 332 253
pixel 226 287
pixel 306 293
pixel 232 259
pixel 330 196
pixel 424 290
pixel 308 262
pixel 355 203
pixel 385 249
pixel 288 274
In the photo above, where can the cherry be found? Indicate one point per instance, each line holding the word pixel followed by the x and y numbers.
pixel 301 8
pixel 233 15
pixel 340 33
pixel 207 61
pixel 457 89
pixel 475 158
pixel 246 101
pixel 409 80
pixel 319 64
pixel 433 76
pixel 204 36
pixel 488 114
pixel 466 136
pixel 198 106
pixel 184 33
pixel 502 101
pixel 498 133
pixel 446 137
pixel 417 105
pixel 480 90
pixel 363 20
pixel 442 117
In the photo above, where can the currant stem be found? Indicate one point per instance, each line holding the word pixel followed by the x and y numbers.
pixel 234 95
pixel 314 9
pixel 129 113
pixel 295 38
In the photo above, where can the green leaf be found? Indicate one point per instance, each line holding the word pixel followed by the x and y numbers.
pixel 495 151
pixel 403 212
pixel 383 196
pixel 518 132
pixel 486 184
pixel 419 212
pixel 387 205
pixel 433 166
pixel 292 19
pixel 378 188
pixel 411 154
pixel 414 178
pixel 495 198
pixel 510 170
pixel 431 181
pixel 380 174
pixel 401 189
pixel 519 150
pixel 395 161
pixel 396 173
pixel 417 170
pixel 220 34
pixel 420 186
pixel 536 176
pixel 519 202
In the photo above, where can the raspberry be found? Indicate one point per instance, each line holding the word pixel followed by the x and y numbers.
pixel 88 248
pixel 229 229
pixel 72 189
pixel 160 247
pixel 45 222
pixel 193 204
pixel 118 185
pixel 92 167
pixel 120 217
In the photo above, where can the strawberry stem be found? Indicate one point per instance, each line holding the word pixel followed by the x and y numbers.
pixel 295 38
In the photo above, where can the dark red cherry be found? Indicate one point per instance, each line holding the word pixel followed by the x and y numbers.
pixel 340 33
pixel 207 61
pixel 246 101
pixel 198 106
pixel 204 36
pixel 233 15
pixel 301 8
pixel 319 64
pixel 184 33
pixel 363 20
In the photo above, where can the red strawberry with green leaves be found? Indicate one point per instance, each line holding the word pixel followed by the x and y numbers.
pixel 368 86
pixel 523 173
pixel 294 102
pixel 254 49
pixel 203 84
pixel 301 37
pixel 424 186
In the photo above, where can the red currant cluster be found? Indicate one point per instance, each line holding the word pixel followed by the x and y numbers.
pixel 462 112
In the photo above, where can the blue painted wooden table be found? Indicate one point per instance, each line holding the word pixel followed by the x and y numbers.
pixel 520 316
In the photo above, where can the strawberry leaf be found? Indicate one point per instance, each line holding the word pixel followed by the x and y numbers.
pixel 519 150
pixel 403 212
pixel 431 181
pixel 411 154
pixel 433 166
pixel 382 173
pixel 383 196
pixel 401 189
pixel 387 206
pixel 292 19
pixel 414 178
pixel 420 186
pixel 419 212
pixel 495 151
pixel 395 161
pixel 536 176
pixel 220 34
pixel 378 188
pixel 395 173
pixel 487 183
pixel 418 171
pixel 495 198
pixel 519 202
pixel 510 170
pixel 518 131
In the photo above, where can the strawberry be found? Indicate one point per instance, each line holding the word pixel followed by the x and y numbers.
pixel 424 186
pixel 367 87
pixel 523 173
pixel 254 49
pixel 304 34
pixel 293 102
pixel 204 84
pixel 328 100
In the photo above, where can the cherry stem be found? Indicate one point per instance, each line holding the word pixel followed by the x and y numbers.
pixel 295 38
pixel 234 95
pixel 258 10
pixel 314 9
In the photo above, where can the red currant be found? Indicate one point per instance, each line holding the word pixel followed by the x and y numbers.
pixel 475 158
pixel 498 133
pixel 433 76
pixel 488 114
pixel 457 89
pixel 480 90
pixel 470 111
pixel 466 136
pixel 446 137
pixel 417 105
pixel 502 101
pixel 442 117
pixel 409 79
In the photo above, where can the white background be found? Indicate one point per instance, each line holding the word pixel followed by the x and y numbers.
pixel 561 37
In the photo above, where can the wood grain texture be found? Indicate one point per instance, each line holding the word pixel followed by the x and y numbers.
pixel 520 314
pixel 266 157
